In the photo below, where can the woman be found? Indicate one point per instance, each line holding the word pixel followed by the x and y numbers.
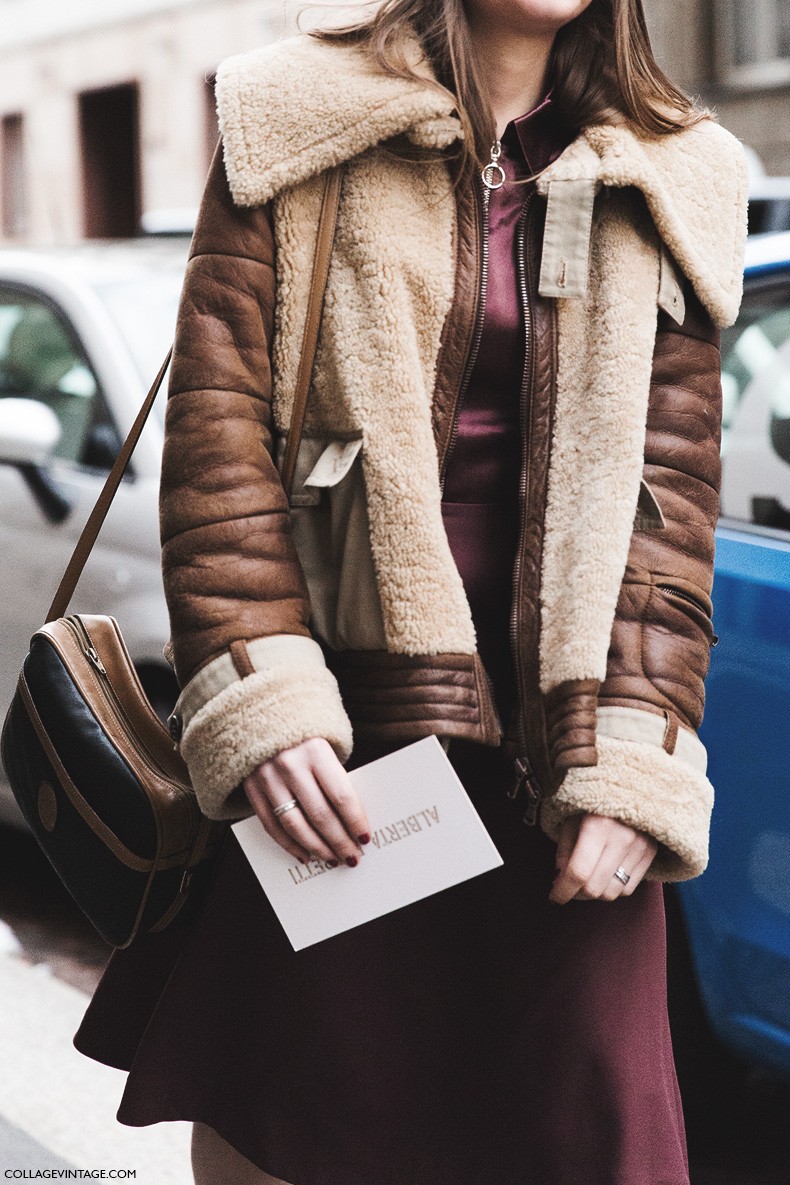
pixel 517 386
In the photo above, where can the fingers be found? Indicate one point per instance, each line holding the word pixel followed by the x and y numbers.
pixel 329 822
pixel 601 847
pixel 568 835
pixel 260 804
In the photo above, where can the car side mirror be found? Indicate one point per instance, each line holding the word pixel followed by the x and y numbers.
pixel 29 431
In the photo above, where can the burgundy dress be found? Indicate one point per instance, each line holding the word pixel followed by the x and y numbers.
pixel 483 1036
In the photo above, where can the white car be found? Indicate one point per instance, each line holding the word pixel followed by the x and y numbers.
pixel 83 331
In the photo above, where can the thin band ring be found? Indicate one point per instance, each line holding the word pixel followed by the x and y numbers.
pixel 623 876
pixel 285 806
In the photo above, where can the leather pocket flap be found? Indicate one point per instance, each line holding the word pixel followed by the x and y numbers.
pixel 649 515
pixel 333 463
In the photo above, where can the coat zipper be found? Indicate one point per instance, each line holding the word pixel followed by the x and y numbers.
pixel 525 775
pixel 478 328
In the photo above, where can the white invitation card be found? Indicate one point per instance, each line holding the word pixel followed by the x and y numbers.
pixel 425 836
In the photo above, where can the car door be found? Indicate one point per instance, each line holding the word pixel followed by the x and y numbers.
pixel 44 507
pixel 739 912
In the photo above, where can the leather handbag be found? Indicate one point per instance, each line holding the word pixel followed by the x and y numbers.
pixel 93 769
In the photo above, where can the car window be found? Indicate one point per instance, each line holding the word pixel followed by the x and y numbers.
pixel 41 359
pixel 144 310
pixel 756 412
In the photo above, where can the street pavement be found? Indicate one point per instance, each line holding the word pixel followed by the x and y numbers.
pixel 57 1108
pixel 19 1151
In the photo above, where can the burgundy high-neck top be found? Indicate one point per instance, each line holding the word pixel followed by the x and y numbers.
pixel 480 501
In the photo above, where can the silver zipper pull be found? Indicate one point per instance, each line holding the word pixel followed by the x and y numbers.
pixel 95 661
pixel 533 803
pixel 526 779
pixel 493 175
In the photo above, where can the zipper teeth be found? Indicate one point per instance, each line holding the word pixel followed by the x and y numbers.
pixel 523 483
pixel 84 642
pixel 682 595
pixel 478 331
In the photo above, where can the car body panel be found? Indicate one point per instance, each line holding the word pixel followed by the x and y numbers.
pixel 738 912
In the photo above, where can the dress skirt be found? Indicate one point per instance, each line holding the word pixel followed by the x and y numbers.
pixel 482 1036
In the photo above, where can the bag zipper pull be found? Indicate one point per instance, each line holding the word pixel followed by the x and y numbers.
pixel 95 661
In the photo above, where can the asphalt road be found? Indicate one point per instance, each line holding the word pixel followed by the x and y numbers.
pixel 738 1120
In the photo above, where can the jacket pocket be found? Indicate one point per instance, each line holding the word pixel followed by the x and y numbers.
pixel 331 532
pixel 649 515
pixel 678 592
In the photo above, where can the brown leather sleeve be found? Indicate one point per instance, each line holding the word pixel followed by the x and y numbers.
pixel 230 568
pixel 660 646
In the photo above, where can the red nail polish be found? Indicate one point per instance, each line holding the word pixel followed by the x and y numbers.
pixel 352 861
pixel 364 837
pixel 332 863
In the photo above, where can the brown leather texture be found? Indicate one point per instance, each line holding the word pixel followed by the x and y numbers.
pixel 660 647
pixel 570 724
pixel 458 330
pixel 230 567
pixel 231 570
pixel 400 697
pixel 528 729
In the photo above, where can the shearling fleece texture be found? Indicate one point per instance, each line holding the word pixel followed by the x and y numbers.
pixel 649 790
pixel 603 383
pixel 695 183
pixel 292 110
pixel 388 295
pixel 251 721
pixel 387 299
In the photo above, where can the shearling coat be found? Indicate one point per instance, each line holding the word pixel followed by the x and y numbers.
pixel 345 611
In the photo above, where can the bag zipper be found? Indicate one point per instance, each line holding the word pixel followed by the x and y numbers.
pixel 82 637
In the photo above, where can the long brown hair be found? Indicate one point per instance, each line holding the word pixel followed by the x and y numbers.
pixel 601 68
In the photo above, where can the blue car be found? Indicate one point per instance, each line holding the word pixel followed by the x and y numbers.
pixel 737 915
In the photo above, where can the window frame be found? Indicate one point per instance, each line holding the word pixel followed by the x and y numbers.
pixel 9 285
pixel 771 69
pixel 766 280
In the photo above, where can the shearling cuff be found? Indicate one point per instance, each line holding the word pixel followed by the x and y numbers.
pixel 252 720
pixel 647 788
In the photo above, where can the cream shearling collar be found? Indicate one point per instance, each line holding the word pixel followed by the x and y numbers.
pixel 695 183
pixel 289 110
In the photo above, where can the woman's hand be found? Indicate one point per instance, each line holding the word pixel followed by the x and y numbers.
pixel 591 849
pixel 329 823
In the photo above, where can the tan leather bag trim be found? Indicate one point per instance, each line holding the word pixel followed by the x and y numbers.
pixel 86 679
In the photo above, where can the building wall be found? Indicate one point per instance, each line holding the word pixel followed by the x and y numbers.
pixel 695 41
pixel 170 53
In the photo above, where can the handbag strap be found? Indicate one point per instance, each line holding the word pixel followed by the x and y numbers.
pixel 315 303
